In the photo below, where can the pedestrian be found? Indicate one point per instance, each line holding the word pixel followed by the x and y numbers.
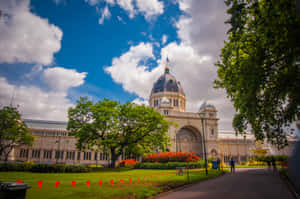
pixel 218 162
pixel 273 162
pixel 269 163
pixel 232 165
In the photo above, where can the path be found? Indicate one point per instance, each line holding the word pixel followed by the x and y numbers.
pixel 246 183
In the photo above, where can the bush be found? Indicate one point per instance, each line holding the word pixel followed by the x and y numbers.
pixel 44 168
pixel 129 163
pixel 171 157
pixel 243 162
pixel 59 168
pixel 169 165
pixel 15 166
pixel 278 158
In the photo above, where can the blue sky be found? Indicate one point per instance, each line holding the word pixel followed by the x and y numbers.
pixel 88 46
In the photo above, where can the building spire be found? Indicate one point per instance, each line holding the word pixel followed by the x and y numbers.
pixel 167 69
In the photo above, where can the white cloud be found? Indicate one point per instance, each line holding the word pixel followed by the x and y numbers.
pixel 128 6
pixel 150 8
pixel 36 103
pixel 61 79
pixel 92 2
pixel 121 20
pixel 164 39
pixel 105 14
pixel 26 37
pixel 134 77
pixel 140 101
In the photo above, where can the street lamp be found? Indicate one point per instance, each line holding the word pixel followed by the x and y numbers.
pixel 202 116
pixel 58 151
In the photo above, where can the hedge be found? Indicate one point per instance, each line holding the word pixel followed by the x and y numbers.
pixel 169 165
pixel 171 157
pixel 279 158
pixel 44 168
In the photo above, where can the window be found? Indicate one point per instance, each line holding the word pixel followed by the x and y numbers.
pixel 70 155
pixel 155 103
pixel 35 153
pixel 23 153
pixel 175 102
pixel 212 131
pixel 166 112
pixel 101 156
pixel 59 154
pixel 211 115
pixel 87 155
pixel 78 155
pixel 47 154
pixel 96 156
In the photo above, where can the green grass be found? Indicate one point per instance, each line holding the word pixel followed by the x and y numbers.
pixel 142 189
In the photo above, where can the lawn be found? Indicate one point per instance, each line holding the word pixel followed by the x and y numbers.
pixel 162 180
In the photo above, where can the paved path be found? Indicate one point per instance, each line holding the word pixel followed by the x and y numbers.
pixel 254 183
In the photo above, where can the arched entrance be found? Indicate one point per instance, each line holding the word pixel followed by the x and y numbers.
pixel 188 139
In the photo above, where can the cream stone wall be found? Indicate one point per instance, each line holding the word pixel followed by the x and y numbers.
pixel 171 96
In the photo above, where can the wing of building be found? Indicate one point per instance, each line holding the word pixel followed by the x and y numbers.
pixel 54 145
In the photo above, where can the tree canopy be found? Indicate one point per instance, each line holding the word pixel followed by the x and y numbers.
pixel 259 66
pixel 107 125
pixel 13 131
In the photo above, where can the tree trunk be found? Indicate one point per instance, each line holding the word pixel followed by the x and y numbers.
pixel 6 157
pixel 114 157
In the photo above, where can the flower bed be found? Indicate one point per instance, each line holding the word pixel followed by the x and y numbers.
pixel 127 163
pixel 169 165
pixel 171 157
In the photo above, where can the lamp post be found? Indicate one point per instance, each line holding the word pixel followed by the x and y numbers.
pixel 58 151
pixel 202 116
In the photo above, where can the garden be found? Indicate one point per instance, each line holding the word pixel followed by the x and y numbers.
pixel 131 179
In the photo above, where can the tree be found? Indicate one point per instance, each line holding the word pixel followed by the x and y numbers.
pixel 259 66
pixel 13 131
pixel 118 129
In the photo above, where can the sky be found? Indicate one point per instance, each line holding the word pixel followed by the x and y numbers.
pixel 54 51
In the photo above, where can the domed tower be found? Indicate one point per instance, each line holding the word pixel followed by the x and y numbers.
pixel 167 92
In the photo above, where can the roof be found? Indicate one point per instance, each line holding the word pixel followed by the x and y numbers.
pixel 167 82
pixel 46 124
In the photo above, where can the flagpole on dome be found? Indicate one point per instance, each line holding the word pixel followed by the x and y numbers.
pixel 167 69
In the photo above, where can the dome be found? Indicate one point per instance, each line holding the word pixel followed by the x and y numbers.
pixel 167 83
pixel 204 105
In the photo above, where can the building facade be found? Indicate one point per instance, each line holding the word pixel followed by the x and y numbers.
pixel 53 144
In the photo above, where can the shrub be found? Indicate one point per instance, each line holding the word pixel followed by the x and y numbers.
pixel 59 168
pixel 243 162
pixel 15 167
pixel 169 165
pixel 171 157
pixel 128 163
pixel 43 168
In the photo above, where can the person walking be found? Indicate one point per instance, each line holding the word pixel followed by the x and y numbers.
pixel 218 162
pixel 232 165
pixel 269 163
pixel 273 162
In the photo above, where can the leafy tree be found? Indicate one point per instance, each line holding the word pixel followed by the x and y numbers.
pixel 259 66
pixel 110 126
pixel 13 131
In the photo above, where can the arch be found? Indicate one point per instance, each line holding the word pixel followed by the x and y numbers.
pixel 189 139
